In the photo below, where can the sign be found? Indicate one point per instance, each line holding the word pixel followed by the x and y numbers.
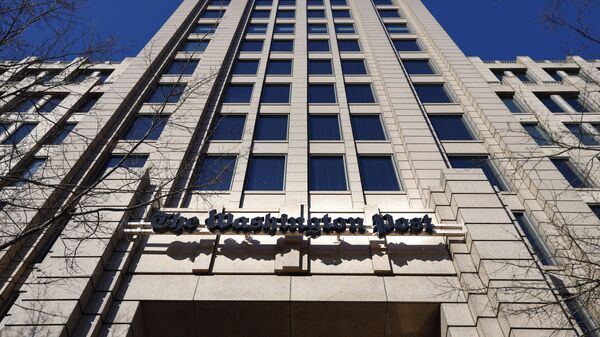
pixel 222 222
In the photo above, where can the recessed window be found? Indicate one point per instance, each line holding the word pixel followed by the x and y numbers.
pixel 264 2
pixel 320 67
pixel 19 134
pixel 570 172
pixel 388 13
pixel 282 46
pixel 450 127
pixel 279 67
pixel 377 173
pixel 257 28
pixel 238 93
pixel 596 210
pixel 229 127
pixel 4 126
pixel 276 93
pixel 341 13
pixel 286 14
pixel 213 14
pixel 103 75
pixel 338 2
pixel 25 104
pixel 354 67
pixel 499 73
pixel 166 93
pixel 397 28
pixel 317 28
pixel 314 2
pixel 287 2
pixel 575 103
pixel 123 162
pixel 51 104
pixel 205 29
pixel 266 173
pixel 271 127
pixel 324 127
pixel 418 67
pixel 182 67
pixel 62 135
pixel 327 173
pixel 215 174
pixel 315 13
pixel 252 46
pixel 146 127
pixel 26 174
pixel 557 77
pixel 511 103
pixel 521 74
pixel 348 45
pixel 321 93
pixel 367 127
pixel 406 45
pixel 344 28
pixel 484 164
pixel 534 239
pixel 383 2
pixel 318 45
pixel 245 67
pixel 261 14
pixel 550 103
pixel 584 136
pixel 537 133
pixel 359 93
pixel 219 2
pixel 89 102
pixel 194 46
pixel 432 93
pixel 284 28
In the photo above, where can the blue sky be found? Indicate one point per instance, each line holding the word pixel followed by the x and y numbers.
pixel 502 29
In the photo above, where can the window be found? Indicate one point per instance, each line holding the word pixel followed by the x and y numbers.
pixel 279 67
pixel 192 46
pixel 29 172
pixel 570 173
pixel 315 13
pixel 4 126
pixel 511 104
pixel 383 2
pixel 327 173
pixel 317 28
pixel 146 128
pixel 271 127
pixel 103 75
pixel 264 2
pixel 450 127
pixel 314 2
pixel 499 73
pixel 596 210
pixel 359 93
pixel 344 28
pixel 51 104
pixel 575 103
pixel 324 127
pixel 284 28
pixel 219 3
pixel 418 67
pixel 287 2
pixel 320 67
pixel 286 14
pixel 238 93
pixel 348 45
pixel 215 173
pixel 213 14
pixel 282 46
pixel 266 173
pixel 521 75
pixel 88 104
pixel 537 133
pixel 341 13
pixel 26 104
pixel 321 93
pixel 406 45
pixel 354 67
pixel 166 93
pixel 582 134
pixel 367 127
pixel 252 46
pixel 557 77
pixel 62 135
pixel 229 127
pixel 261 14
pixel 534 239
pixel 482 163
pixel 276 93
pixel 257 28
pixel 432 93
pixel 377 173
pixel 397 28
pixel 388 13
pixel 182 67
pixel 550 103
pixel 205 29
pixel 126 162
pixel 19 134
pixel 318 45
pixel 245 67
pixel 339 3
pixel 81 75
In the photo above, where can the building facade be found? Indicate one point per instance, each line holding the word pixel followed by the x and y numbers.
pixel 301 168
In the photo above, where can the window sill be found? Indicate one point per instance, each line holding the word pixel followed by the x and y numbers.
pixel 330 193
pixel 384 192
pixel 264 192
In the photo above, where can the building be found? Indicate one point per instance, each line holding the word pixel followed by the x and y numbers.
pixel 366 179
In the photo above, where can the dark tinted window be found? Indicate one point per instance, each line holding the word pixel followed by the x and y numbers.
pixel 538 135
pixel 550 103
pixel 19 134
pixel 377 173
pixel 257 28
pixel 146 127
pixel 88 104
pixel 279 67
pixel 388 13
pixel 406 45
pixel 276 93
pixel 238 93
pixel 432 93
pixel 182 67
pixel 205 29
pixel 569 172
pixel 359 93
pixel 286 14
pixel 348 45
pixel 596 210
pixel 245 67
pixel 215 173
pixel 51 104
pixel 282 45
pixel 450 127
pixel 266 174
pixel 354 67
pixel 264 2
pixel 252 45
pixel 284 28
pixel 60 137
pixel 324 127
pixel 511 104
pixel 338 2
pixel 521 75
pixel 319 67
pixel 213 14
pixel 383 2
pixel 314 2
pixel 315 13
pixel 229 127
pixel 482 163
pixel 25 104
pixel 271 127
pixel 367 127
pixel 534 239
pixel 575 103
pixel 318 45
pixel 341 13
pixel 219 2
pixel 126 162
pixel 287 2
pixel 418 67
pixel 261 14
pixel 327 173
pixel 166 93
pixel 195 46
pixel 317 28
pixel 396 28
pixel 321 93
pixel 582 134
pixel 28 172
pixel 344 28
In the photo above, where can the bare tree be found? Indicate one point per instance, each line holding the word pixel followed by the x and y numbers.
pixel 578 17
